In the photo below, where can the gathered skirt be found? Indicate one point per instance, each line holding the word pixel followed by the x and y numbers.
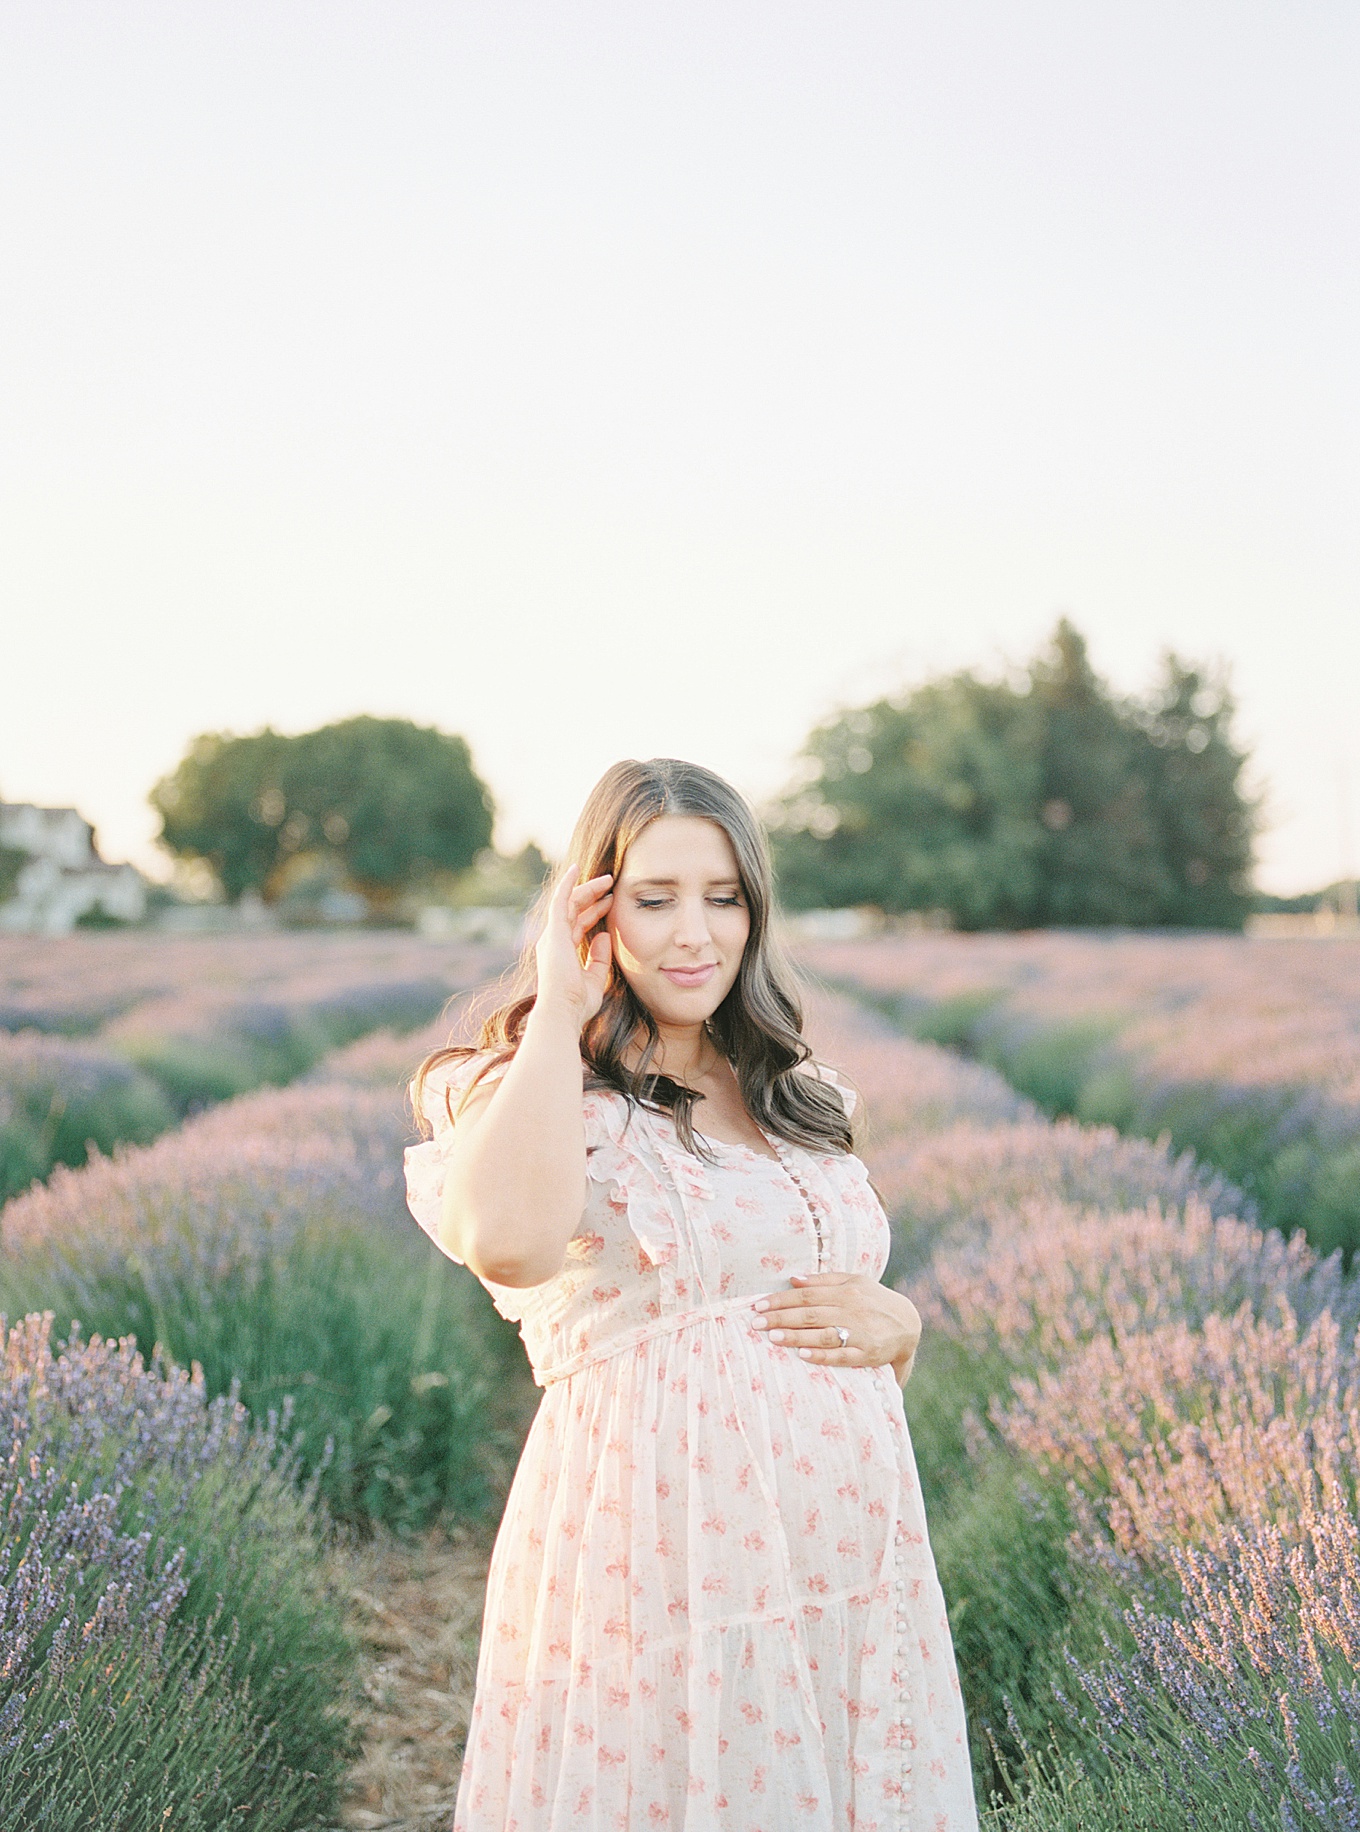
pixel 712 1605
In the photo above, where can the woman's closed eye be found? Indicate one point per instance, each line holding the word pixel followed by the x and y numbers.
pixel 659 903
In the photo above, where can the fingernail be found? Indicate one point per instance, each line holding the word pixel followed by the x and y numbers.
pixel 762 1304
pixel 762 1323
pixel 806 1354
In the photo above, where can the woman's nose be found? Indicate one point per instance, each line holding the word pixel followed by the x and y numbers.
pixel 691 929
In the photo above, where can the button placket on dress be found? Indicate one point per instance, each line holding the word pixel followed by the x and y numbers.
pixel 900 1616
pixel 791 1172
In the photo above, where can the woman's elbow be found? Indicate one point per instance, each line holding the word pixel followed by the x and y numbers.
pixel 506 1241
pixel 501 1249
pixel 515 1270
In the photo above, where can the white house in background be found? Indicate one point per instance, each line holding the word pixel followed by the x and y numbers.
pixel 64 878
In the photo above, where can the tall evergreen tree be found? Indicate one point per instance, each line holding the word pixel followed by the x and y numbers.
pixel 1205 821
pixel 1100 860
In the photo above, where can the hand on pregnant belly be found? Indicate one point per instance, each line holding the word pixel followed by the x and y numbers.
pixel 882 1326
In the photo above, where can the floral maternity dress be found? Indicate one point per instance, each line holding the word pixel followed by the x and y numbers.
pixel 711 1604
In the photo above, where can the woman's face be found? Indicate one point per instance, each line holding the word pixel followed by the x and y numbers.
pixel 679 920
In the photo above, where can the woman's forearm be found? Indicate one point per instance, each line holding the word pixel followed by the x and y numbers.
pixel 516 1188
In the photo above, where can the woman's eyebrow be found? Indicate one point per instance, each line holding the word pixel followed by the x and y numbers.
pixel 671 883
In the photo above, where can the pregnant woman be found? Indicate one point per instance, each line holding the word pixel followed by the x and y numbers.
pixel 711 1605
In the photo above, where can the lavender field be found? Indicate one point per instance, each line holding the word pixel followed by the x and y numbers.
pixel 1244 1050
pixel 112 1038
pixel 231 1345
pixel 1135 1416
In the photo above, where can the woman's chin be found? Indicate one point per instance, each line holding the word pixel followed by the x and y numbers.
pixel 677 1007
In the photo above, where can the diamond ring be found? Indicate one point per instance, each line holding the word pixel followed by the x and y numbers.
pixel 843 1333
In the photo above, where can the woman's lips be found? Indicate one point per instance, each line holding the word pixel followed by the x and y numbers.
pixel 690 976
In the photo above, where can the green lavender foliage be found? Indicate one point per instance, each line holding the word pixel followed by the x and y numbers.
pixel 267 1043
pixel 267 1241
pixel 1134 1420
pixel 407 1392
pixel 169 1654
pixel 60 1099
pixel 1291 1150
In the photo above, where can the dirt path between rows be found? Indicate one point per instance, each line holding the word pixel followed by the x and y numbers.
pixel 417 1605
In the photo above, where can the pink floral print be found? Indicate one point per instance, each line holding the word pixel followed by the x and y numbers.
pixel 711 1605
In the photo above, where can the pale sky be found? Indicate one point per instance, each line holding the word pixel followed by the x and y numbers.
pixel 609 380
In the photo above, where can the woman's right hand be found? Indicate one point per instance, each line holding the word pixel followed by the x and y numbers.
pixel 572 975
pixel 515 1181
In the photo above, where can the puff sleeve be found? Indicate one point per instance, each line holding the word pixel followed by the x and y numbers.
pixel 820 1072
pixel 425 1163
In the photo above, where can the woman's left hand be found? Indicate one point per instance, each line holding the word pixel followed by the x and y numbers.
pixel 884 1325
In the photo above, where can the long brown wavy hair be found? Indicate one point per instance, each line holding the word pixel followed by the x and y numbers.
pixel 758 1027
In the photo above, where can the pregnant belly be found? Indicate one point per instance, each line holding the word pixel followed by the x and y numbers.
pixel 803 1467
pixel 705 1477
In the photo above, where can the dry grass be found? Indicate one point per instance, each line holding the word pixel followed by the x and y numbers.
pixel 417 1604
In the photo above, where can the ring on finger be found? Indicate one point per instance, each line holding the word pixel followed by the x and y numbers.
pixel 843 1333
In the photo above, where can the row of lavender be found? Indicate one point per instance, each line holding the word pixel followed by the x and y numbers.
pixel 1246 1051
pixel 1135 1415
pixel 169 1652
pixel 107 1039
pixel 1137 1419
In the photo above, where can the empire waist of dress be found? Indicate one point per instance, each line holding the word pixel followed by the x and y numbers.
pixel 629 1339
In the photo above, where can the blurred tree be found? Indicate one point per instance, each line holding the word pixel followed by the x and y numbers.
pixel 384 802
pixel 1044 800
pixel 498 881
pixel 1206 823
pixel 12 862
pixel 922 803
pixel 224 805
pixel 1100 860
